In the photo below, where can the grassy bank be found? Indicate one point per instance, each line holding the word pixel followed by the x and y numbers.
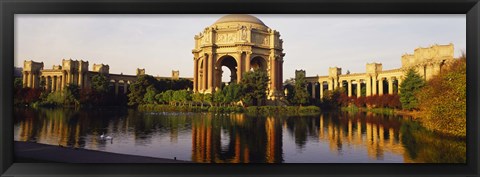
pixel 385 111
pixel 254 110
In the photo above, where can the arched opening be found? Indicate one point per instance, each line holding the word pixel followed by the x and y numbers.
pixel 227 70
pixel 344 85
pixel 355 88
pixel 258 63
pixel 309 89
pixel 396 86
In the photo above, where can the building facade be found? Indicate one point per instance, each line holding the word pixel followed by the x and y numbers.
pixel 74 72
pixel 427 62
pixel 240 43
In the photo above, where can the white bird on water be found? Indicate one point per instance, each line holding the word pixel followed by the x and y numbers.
pixel 103 137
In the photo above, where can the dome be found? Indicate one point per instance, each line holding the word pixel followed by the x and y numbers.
pixel 240 18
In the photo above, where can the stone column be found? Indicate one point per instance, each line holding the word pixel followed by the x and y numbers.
pixel 210 72
pixel 280 75
pixel 247 61
pixel 390 86
pixel 116 87
pixel 369 86
pixel 313 90
pixel 374 85
pixel 380 86
pixel 24 79
pixel 330 84
pixel 64 82
pixel 349 87
pixel 54 84
pixel 239 67
pixel 68 78
pixel 47 84
pixel 205 73
pixel 277 74
pixel 72 78
pixel 80 80
pixel 399 83
pixel 27 82
pixel 59 83
pixel 272 75
pixel 321 90
pixel 195 75
pixel 335 83
pixel 34 80
pixel 359 89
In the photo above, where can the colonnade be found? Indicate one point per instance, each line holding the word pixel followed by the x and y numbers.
pixel 57 80
pixel 353 85
pixel 120 83
pixel 30 79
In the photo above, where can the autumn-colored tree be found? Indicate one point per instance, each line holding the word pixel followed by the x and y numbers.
pixel 444 100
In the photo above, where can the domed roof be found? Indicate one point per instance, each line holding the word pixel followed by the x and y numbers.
pixel 239 18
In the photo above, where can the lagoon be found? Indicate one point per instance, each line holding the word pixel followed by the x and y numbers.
pixel 330 137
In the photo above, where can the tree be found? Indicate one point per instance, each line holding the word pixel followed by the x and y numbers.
pixel 72 94
pixel 232 93
pixel 301 95
pixel 443 100
pixel 409 87
pixel 198 97
pixel 333 98
pixel 219 97
pixel 149 97
pixel 254 85
pixel 139 88
pixel 167 96
pixel 208 98
pixel 100 83
pixel 18 83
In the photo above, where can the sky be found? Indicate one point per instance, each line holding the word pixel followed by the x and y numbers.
pixel 162 43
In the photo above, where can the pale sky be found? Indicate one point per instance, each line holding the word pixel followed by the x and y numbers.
pixel 161 43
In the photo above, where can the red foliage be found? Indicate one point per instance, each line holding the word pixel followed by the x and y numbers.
pixel 374 101
pixel 360 101
pixel 30 95
pixel 343 99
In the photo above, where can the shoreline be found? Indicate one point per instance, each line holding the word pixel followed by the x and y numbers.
pixel 28 152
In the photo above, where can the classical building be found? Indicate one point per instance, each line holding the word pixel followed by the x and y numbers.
pixel 77 73
pixel 240 43
pixel 376 81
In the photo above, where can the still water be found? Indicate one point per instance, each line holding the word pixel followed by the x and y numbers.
pixel 334 137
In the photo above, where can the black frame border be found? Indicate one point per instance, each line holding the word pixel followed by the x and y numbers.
pixel 8 8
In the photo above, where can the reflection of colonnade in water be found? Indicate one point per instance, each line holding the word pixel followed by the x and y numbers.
pixel 54 124
pixel 244 137
pixel 379 138
pixel 63 127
